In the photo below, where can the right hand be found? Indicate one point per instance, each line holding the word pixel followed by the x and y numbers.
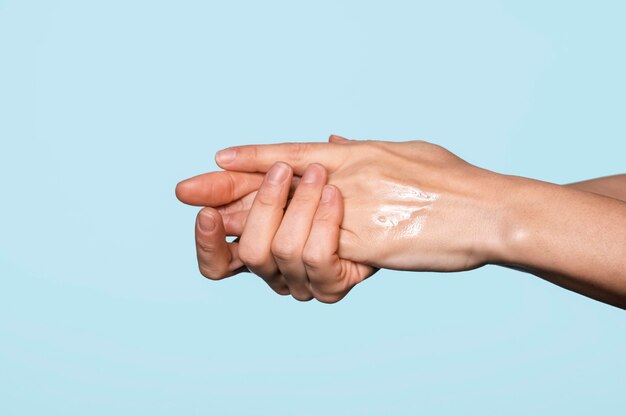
pixel 408 206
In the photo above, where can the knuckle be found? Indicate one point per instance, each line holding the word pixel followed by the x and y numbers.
pixel 306 197
pixel 211 273
pixel 313 258
pixel 323 217
pixel 330 290
pixel 285 250
pixel 281 290
pixel 230 186
pixel 328 298
pixel 205 247
pixel 250 256
pixel 302 296
pixel 267 196
pixel 298 152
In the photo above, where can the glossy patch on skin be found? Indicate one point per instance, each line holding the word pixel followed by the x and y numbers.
pixel 394 191
pixel 405 218
pixel 402 219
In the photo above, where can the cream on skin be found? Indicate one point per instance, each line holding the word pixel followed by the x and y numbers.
pixel 413 206
pixel 404 217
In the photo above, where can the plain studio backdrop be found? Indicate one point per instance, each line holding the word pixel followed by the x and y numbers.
pixel 106 105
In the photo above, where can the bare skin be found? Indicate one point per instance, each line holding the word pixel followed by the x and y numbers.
pixel 407 206
pixel 611 186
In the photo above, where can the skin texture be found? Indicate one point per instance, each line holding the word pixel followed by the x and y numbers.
pixel 611 186
pixel 408 206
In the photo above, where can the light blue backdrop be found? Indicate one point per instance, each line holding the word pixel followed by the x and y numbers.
pixel 105 105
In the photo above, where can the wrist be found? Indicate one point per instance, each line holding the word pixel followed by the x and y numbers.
pixel 484 203
pixel 508 204
pixel 491 228
pixel 521 203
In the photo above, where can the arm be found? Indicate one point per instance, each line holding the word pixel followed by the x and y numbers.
pixel 611 186
pixel 416 206
pixel 571 238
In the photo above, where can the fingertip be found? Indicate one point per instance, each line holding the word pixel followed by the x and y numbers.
pixel 331 206
pixel 225 156
pixel 328 194
pixel 207 220
pixel 318 166
pixel 208 211
pixel 190 190
pixel 280 164
pixel 206 223
pixel 182 190
pixel 279 173
pixel 314 173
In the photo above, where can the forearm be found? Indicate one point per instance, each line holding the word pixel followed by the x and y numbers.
pixel 574 239
pixel 611 186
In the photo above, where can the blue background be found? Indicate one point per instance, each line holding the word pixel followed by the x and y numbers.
pixel 106 105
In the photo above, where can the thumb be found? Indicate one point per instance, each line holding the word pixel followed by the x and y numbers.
pixel 337 139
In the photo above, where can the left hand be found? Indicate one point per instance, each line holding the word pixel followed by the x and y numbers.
pixel 293 250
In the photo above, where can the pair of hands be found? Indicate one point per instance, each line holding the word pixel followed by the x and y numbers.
pixel 330 214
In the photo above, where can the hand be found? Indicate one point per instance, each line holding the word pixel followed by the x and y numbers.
pixel 408 206
pixel 295 251
pixel 416 206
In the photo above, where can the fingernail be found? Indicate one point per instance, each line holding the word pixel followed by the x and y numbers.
pixel 206 222
pixel 328 193
pixel 311 175
pixel 226 155
pixel 278 174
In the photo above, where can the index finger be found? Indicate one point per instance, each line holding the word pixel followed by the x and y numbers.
pixel 217 188
pixel 260 158
pixel 217 259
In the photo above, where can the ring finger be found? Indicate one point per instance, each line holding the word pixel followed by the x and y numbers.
pixel 261 225
pixel 293 233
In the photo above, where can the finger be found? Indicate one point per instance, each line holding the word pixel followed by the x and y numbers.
pixel 216 258
pixel 338 139
pixel 235 214
pixel 259 158
pixel 331 278
pixel 262 223
pixel 288 244
pixel 321 261
pixel 235 223
pixel 244 203
pixel 197 190
pixel 217 188
pixel 239 205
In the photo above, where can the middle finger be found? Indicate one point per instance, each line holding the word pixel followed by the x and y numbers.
pixel 293 233
pixel 262 222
